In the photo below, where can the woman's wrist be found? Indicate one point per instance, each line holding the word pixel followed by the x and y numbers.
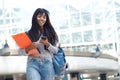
pixel 47 44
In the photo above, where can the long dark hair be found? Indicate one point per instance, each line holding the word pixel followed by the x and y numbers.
pixel 35 31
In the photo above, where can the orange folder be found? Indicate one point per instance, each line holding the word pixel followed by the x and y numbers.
pixel 22 40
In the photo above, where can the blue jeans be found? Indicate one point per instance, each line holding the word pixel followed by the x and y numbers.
pixel 40 69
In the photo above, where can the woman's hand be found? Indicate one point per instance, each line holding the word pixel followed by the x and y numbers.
pixel 32 46
pixel 45 42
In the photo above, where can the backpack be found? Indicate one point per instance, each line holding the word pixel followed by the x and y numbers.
pixel 59 62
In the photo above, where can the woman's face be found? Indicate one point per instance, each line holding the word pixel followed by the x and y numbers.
pixel 41 19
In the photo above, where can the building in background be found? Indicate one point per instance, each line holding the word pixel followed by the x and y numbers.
pixel 78 28
pixel 81 25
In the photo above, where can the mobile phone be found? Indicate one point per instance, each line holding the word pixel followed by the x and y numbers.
pixel 44 37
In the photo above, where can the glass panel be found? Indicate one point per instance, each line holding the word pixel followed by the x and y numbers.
pixel 86 18
pixel 117 5
pixel 1 31
pixel 74 16
pixel 118 36
pixel 7 15
pixel 64 38
pixel 7 21
pixel 64 22
pixel 98 17
pixel 88 36
pixel 107 47
pixel 16 20
pixel 99 36
pixel 1 11
pixel 109 17
pixel 16 12
pixel 16 30
pixel 118 16
pixel 76 37
pixel 1 22
pixel 110 34
pixel 75 20
pixel 61 21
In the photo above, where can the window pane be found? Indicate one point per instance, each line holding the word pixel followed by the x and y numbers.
pixel 98 17
pixel 1 21
pixel 88 36
pixel 99 35
pixel 64 38
pixel 86 18
pixel 118 16
pixel 75 20
pixel 76 37
pixel 109 18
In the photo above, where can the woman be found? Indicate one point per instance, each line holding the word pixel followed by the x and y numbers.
pixel 44 37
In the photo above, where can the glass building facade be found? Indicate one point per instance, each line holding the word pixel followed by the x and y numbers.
pixel 79 27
